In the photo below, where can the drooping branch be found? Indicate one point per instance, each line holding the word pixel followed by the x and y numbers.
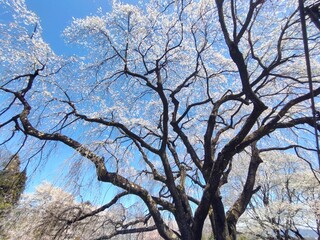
pixel 128 231
pixel 98 210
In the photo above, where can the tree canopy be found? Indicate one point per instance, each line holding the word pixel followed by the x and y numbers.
pixel 163 100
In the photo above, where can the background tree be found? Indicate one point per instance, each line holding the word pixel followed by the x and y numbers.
pixel 12 183
pixel 49 212
pixel 166 97
pixel 287 204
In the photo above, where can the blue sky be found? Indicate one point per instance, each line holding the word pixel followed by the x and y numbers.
pixel 55 15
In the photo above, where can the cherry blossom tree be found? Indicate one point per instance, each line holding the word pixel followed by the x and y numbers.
pixel 48 214
pixel 162 100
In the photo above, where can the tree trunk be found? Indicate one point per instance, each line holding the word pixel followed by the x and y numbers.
pixel 218 220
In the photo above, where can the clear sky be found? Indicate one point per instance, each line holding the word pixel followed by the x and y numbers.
pixel 55 15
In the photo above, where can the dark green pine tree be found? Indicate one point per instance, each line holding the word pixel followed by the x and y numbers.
pixel 12 183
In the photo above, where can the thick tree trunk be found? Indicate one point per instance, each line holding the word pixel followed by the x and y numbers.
pixel 219 221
